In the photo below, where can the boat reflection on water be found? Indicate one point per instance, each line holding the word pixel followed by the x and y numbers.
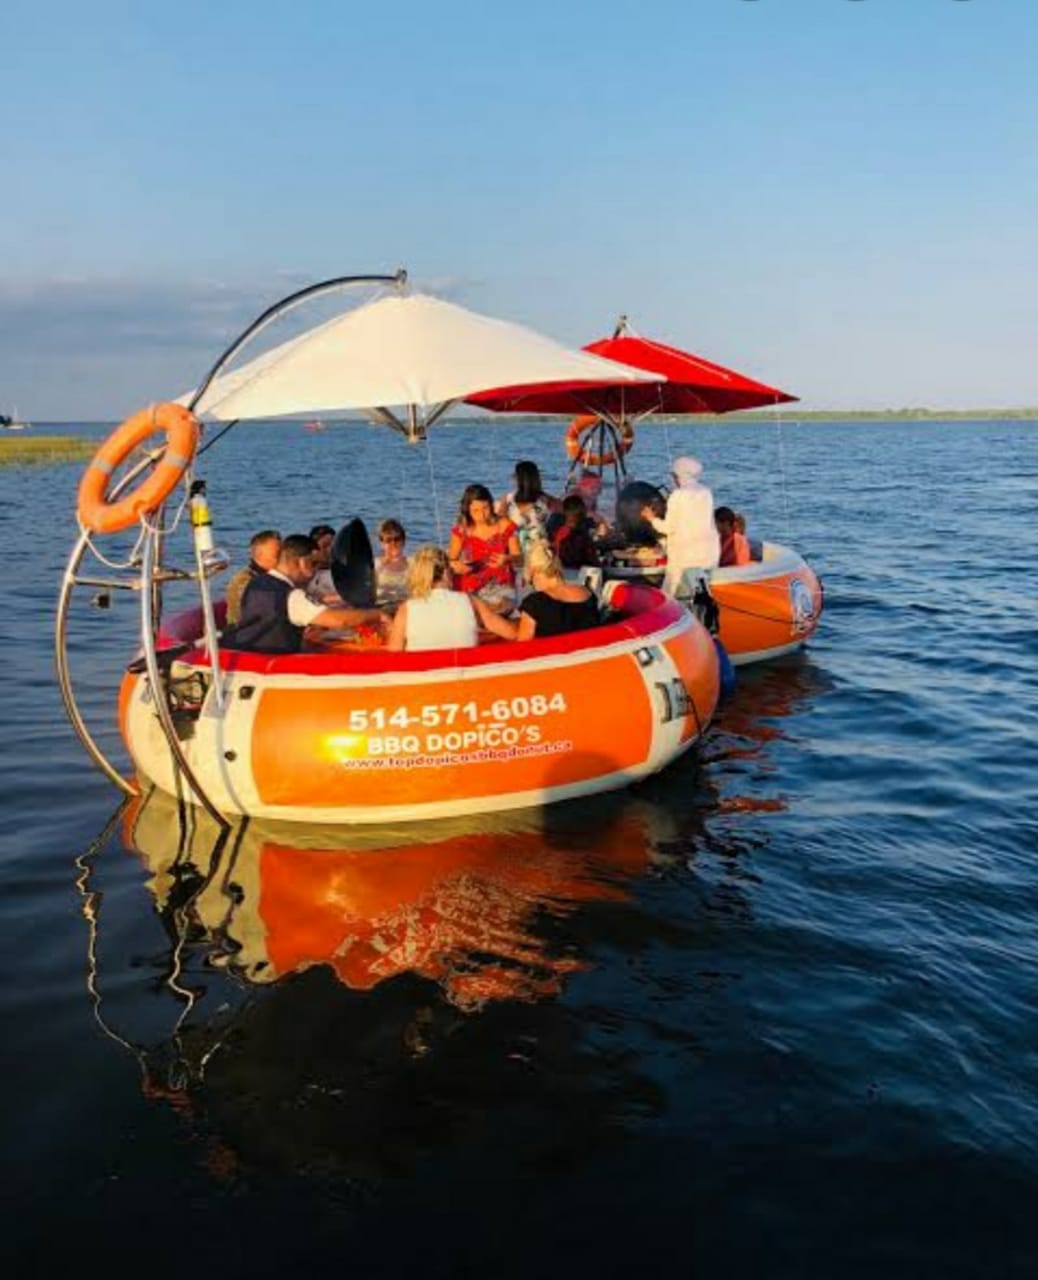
pixel 346 1002
pixel 461 905
pixel 310 1000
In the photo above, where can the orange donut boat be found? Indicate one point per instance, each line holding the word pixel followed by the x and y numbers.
pixel 766 609
pixel 361 735
pixel 357 734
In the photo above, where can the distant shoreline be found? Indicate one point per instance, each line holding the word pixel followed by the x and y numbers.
pixel 22 449
pixel 787 413
pixel 882 415
pixel 782 413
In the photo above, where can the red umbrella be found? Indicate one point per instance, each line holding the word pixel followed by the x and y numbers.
pixel 693 385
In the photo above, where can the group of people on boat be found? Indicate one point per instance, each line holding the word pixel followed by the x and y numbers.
pixel 491 538
pixel 440 613
pixel 508 570
pixel 499 576
pixel 271 606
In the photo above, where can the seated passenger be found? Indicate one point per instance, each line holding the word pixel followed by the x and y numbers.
pixel 589 486
pixel 554 606
pixel 275 610
pixel 321 588
pixel 391 565
pixel 436 617
pixel 755 544
pixel 264 549
pixel 571 534
pixel 484 550
pixel 735 549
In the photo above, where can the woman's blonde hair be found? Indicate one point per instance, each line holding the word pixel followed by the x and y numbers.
pixel 542 559
pixel 427 568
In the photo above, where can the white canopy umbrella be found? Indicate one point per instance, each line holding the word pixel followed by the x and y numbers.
pixel 411 350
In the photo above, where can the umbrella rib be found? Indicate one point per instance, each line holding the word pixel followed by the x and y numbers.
pixel 387 418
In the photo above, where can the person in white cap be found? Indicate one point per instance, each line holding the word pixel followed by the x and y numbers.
pixel 688 526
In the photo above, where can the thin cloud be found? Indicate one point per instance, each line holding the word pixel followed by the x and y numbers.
pixel 71 318
pixel 79 346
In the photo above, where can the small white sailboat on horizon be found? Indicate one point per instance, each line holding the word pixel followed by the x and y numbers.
pixel 13 422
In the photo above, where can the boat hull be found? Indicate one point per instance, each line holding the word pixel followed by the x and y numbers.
pixel 768 608
pixel 372 737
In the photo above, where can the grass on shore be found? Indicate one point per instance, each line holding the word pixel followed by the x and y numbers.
pixel 44 449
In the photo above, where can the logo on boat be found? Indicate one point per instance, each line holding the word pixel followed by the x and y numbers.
pixel 802 606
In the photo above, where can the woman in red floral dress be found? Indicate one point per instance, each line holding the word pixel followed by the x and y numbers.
pixel 484 550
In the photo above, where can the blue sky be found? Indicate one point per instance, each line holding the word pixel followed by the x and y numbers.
pixel 837 196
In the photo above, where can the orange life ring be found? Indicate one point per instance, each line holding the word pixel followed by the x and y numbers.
pixel 99 515
pixel 577 448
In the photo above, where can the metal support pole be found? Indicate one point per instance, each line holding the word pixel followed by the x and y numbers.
pixel 158 688
pixel 212 643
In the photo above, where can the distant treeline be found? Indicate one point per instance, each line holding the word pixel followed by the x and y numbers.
pixel 785 413
pixel 879 415
pixel 789 413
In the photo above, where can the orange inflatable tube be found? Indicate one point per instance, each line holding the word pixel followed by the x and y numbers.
pixel 95 512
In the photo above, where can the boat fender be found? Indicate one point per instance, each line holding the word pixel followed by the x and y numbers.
pixel 353 565
pixel 726 668
pixel 577 446
pixel 181 427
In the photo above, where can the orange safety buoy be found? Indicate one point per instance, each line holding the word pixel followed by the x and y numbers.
pixel 95 512
pixel 576 446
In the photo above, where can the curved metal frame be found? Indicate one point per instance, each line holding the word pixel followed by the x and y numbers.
pixel 151 576
pixel 69 581
pixel 279 309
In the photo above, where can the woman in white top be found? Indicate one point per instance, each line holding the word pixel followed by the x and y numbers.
pixel 392 565
pixel 434 616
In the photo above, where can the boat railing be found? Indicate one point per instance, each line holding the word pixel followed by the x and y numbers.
pixel 777 560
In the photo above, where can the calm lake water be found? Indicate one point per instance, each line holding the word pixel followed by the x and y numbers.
pixel 773 1013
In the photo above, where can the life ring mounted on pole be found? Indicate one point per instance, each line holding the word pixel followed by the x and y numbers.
pixel 95 512
pixel 578 440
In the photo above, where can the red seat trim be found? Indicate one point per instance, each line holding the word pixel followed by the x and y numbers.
pixel 651 612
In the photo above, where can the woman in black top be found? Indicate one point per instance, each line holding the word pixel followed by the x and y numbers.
pixel 554 606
